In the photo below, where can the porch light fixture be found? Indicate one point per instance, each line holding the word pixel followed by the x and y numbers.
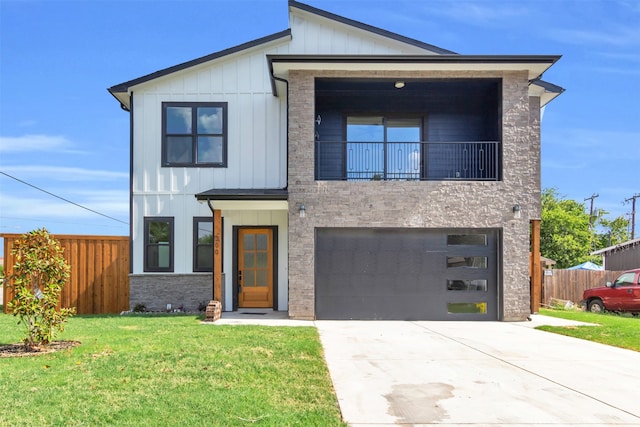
pixel 302 210
pixel 516 211
pixel 399 84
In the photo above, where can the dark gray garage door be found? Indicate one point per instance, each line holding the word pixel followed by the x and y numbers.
pixel 406 274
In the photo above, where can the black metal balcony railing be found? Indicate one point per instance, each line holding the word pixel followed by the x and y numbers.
pixel 374 161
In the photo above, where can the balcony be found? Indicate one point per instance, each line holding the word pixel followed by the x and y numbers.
pixel 407 161
pixel 431 129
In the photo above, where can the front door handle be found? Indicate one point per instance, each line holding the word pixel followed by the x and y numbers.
pixel 239 281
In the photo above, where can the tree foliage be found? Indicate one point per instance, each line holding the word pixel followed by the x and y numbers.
pixel 565 233
pixel 39 273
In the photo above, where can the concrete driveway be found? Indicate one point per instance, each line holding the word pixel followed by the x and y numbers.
pixel 477 373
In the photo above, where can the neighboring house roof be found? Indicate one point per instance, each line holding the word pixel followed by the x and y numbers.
pixel 548 262
pixel 433 55
pixel 617 248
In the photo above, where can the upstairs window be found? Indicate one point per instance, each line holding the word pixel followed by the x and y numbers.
pixel 194 134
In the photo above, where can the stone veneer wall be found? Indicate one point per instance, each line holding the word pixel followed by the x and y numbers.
pixel 415 204
pixel 155 291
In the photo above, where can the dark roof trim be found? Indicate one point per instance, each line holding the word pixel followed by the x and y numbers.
pixel 549 87
pixel 417 59
pixel 370 28
pixel 244 194
pixel 410 59
pixel 124 87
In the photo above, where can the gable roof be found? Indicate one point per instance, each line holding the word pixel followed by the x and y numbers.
pixel 369 28
pixel 120 91
pixel 547 91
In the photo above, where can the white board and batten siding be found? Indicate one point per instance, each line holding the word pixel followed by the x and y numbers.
pixel 316 35
pixel 256 144
pixel 256 128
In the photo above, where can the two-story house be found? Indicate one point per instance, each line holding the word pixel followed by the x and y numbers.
pixel 336 170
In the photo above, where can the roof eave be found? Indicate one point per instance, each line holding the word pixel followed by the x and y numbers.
pixel 545 90
pixel 280 64
pixel 243 194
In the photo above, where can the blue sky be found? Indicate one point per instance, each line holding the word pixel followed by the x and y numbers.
pixel 61 130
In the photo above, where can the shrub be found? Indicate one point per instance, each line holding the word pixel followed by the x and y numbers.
pixel 139 308
pixel 39 273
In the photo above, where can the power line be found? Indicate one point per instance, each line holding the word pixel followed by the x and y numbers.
pixel 62 198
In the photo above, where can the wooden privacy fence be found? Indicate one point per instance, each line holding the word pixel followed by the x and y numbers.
pixel 99 280
pixel 569 284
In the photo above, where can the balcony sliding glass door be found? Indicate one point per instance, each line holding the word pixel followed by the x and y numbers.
pixel 380 148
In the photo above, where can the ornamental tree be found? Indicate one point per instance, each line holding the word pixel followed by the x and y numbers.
pixel 39 273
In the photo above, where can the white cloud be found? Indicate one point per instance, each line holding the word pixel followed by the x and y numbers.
pixel 112 203
pixel 475 13
pixel 621 71
pixel 596 139
pixel 27 123
pixel 621 56
pixel 211 123
pixel 563 165
pixel 620 36
pixel 39 142
pixel 59 173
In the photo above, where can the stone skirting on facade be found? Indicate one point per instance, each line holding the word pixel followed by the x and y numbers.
pixel 188 292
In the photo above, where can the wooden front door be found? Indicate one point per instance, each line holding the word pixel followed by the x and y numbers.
pixel 255 267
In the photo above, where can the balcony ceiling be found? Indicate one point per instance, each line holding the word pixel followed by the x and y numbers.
pixel 419 87
pixel 535 65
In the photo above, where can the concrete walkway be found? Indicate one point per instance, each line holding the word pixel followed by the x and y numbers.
pixel 478 373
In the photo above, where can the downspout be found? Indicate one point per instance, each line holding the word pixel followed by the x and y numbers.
pixel 213 276
pixel 275 93
pixel 130 183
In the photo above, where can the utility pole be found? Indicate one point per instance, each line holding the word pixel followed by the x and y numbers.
pixel 591 210
pixel 592 244
pixel 632 199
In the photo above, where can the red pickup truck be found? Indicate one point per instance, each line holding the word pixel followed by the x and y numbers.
pixel 621 295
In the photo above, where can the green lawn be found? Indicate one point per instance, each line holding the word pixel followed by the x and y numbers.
pixel 169 370
pixel 616 330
